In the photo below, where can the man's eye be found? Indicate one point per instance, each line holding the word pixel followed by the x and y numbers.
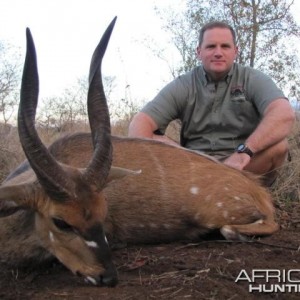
pixel 62 225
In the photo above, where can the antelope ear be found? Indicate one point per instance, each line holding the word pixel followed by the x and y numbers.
pixel 118 173
pixel 16 197
pixel 8 208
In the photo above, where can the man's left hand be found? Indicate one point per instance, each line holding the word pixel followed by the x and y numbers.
pixel 237 160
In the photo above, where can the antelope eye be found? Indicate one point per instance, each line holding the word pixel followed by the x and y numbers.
pixel 62 225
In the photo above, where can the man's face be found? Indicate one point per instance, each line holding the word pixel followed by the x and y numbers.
pixel 217 52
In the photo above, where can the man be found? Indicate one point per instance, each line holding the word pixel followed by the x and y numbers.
pixel 232 112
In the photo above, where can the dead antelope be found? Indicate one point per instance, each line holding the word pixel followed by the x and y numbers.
pixel 65 199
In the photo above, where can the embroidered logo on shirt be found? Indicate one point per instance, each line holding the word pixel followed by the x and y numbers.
pixel 237 94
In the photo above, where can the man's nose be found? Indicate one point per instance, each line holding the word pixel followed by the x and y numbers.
pixel 218 52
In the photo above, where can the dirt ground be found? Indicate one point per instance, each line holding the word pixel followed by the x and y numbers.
pixel 204 270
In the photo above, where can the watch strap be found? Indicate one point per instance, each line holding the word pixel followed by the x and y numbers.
pixel 243 148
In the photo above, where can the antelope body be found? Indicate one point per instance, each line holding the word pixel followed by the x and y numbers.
pixel 66 199
pixel 178 194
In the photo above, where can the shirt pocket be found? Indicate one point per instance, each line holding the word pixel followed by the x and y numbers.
pixel 237 95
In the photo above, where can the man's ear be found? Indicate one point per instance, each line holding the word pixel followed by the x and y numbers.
pixel 198 52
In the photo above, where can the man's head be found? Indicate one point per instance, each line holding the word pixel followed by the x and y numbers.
pixel 216 24
pixel 217 49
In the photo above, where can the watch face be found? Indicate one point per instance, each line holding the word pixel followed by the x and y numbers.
pixel 241 147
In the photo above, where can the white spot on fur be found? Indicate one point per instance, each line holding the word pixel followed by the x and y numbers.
pixel 51 236
pixel 194 190
pixel 233 218
pixel 220 204
pixel 93 244
pixel 91 279
pixel 259 221
pixel 237 198
pixel 226 188
pixel 225 214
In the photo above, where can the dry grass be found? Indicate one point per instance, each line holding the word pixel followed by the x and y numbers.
pixel 287 186
pixel 11 153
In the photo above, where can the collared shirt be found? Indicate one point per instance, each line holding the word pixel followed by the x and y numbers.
pixel 215 116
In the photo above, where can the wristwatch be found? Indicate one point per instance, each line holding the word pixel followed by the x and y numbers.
pixel 242 148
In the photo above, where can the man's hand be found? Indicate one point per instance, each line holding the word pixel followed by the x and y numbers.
pixel 237 160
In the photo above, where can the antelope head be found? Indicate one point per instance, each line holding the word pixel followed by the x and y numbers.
pixel 69 204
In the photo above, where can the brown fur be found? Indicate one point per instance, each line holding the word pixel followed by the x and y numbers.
pixel 163 192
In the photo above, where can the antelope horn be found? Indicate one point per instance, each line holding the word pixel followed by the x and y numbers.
pixel 99 166
pixel 49 173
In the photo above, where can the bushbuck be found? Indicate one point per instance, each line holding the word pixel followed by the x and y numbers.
pixel 64 200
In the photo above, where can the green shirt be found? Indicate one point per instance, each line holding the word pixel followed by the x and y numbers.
pixel 215 116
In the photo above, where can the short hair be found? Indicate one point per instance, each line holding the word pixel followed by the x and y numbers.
pixel 216 24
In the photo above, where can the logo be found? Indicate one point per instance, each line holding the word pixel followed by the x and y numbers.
pixel 271 280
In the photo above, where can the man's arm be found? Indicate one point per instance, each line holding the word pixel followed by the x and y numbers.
pixel 275 126
pixel 143 126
